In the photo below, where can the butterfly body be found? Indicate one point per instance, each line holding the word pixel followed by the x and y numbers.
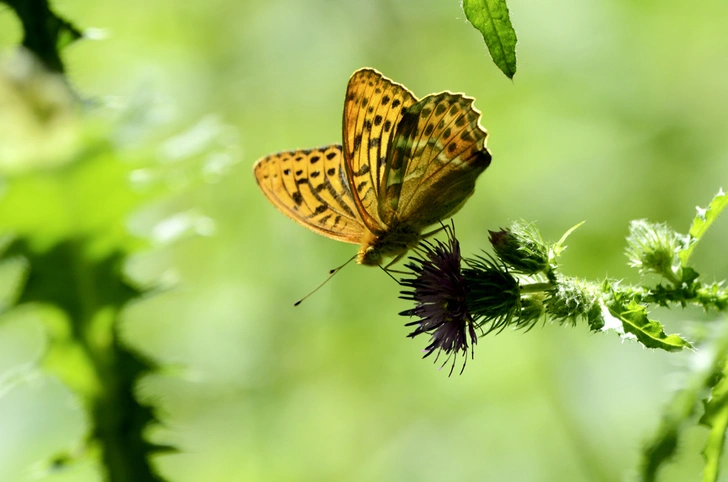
pixel 395 241
pixel 404 165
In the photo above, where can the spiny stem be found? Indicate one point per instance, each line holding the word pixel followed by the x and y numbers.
pixel 535 287
pixel 672 278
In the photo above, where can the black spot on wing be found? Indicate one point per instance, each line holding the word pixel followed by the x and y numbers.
pixel 364 170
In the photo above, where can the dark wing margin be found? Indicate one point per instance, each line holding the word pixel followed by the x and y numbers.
pixel 438 152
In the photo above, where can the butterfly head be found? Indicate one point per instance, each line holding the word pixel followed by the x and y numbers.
pixel 369 256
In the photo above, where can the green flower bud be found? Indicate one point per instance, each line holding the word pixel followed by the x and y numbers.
pixel 654 248
pixel 521 248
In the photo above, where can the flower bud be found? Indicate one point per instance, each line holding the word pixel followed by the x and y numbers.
pixel 654 248
pixel 521 248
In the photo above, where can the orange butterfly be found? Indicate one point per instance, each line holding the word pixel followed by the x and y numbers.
pixel 405 165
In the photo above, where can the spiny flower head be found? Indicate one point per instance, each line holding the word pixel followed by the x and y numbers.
pixel 654 248
pixel 521 248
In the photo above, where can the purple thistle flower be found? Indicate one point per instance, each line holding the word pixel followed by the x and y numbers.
pixel 440 292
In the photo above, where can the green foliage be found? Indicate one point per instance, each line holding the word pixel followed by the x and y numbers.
pixel 604 305
pixel 716 419
pixel 64 213
pixel 90 291
pixel 648 332
pixel 708 373
pixel 45 32
pixel 652 248
pixel 702 222
pixel 492 20
pixel 66 218
pixel 524 284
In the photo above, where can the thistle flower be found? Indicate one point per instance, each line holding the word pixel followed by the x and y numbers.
pixel 439 290
pixel 458 298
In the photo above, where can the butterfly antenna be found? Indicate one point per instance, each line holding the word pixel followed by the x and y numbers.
pixel 331 275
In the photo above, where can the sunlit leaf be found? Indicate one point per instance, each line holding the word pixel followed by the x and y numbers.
pixel 559 246
pixel 492 19
pixel 649 332
pixel 703 219
pixel 679 412
pixel 716 419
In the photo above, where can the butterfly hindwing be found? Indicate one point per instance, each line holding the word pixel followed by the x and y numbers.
pixel 437 153
pixel 372 111
pixel 310 186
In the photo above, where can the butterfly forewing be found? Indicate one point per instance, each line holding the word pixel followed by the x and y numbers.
pixel 438 151
pixel 310 186
pixel 372 111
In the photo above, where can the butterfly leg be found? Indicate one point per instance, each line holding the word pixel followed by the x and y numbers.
pixel 394 261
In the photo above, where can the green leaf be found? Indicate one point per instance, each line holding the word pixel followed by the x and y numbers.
pixel 703 219
pixel 707 363
pixel 715 418
pixel 559 247
pixel 648 332
pixel 491 18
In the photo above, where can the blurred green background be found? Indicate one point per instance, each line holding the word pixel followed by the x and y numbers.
pixel 618 111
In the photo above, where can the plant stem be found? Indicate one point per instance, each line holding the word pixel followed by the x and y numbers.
pixel 535 287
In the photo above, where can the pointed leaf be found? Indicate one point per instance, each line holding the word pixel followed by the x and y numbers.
pixel 559 246
pixel 491 18
pixel 703 219
pixel 715 418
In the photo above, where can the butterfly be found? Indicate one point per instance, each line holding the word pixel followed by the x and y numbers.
pixel 405 164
